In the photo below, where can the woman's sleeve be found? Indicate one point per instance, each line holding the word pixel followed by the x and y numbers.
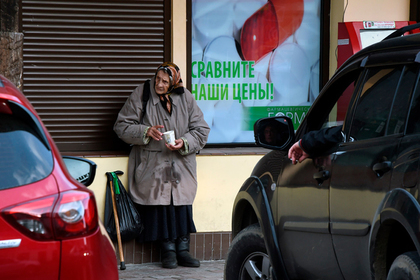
pixel 317 142
pixel 128 126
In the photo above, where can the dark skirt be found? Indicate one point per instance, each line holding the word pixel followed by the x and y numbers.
pixel 165 222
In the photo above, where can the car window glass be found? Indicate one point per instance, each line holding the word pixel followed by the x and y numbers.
pixel 413 124
pixel 24 157
pixel 400 107
pixel 345 86
pixel 339 110
pixel 374 103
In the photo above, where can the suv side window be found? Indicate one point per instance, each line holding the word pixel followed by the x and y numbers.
pixel 339 110
pixel 401 102
pixel 413 125
pixel 374 103
pixel 331 109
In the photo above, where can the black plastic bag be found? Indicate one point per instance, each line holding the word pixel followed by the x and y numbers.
pixel 129 219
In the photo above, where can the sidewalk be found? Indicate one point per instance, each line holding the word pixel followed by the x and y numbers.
pixel 208 270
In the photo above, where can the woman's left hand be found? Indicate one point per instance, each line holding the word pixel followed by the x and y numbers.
pixel 179 143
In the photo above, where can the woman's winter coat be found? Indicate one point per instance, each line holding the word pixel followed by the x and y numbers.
pixel 154 171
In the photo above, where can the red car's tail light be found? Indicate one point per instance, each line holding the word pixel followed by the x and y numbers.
pixel 68 215
pixel 33 218
pixel 75 215
pixel 4 107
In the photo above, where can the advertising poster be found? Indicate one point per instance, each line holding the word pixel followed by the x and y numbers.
pixel 253 59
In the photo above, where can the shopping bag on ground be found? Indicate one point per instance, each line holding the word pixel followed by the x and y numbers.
pixel 129 219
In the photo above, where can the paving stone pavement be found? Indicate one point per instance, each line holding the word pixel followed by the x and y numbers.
pixel 208 270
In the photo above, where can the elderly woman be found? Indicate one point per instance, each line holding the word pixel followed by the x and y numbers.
pixel 162 177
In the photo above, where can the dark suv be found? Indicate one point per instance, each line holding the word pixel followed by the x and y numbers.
pixel 352 212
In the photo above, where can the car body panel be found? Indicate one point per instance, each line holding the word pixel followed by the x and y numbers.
pixel 30 259
pixel 303 227
pixel 405 173
pixel 42 188
pixel 89 256
pixel 399 205
pixel 360 190
pixel 254 194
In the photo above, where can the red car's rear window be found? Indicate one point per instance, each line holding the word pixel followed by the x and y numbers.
pixel 24 156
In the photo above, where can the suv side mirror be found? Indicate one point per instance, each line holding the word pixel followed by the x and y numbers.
pixel 81 169
pixel 276 133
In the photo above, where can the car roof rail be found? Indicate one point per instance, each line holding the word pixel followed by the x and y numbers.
pixel 401 31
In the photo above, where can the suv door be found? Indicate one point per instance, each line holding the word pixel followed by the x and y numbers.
pixel 405 174
pixel 303 201
pixel 362 166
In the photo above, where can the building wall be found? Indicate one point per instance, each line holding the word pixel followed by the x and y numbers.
pixel 360 10
pixel 179 34
pixel 11 42
pixel 219 178
pixel 377 10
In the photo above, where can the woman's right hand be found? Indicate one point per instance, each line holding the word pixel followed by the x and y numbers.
pixel 154 132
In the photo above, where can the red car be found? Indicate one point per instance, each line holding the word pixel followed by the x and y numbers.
pixel 49 225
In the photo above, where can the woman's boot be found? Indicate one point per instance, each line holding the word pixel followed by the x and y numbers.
pixel 168 254
pixel 183 252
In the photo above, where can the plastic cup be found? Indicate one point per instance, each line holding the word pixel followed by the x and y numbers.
pixel 169 137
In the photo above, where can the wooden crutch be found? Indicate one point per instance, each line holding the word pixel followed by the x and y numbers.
pixel 117 225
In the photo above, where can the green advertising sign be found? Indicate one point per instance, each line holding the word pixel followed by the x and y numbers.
pixel 252 114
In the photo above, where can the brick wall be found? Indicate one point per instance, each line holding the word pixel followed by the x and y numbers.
pixel 203 246
pixel 11 42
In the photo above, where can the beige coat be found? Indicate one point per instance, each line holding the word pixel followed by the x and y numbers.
pixel 154 171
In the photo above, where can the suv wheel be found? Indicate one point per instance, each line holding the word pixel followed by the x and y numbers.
pixel 405 267
pixel 247 257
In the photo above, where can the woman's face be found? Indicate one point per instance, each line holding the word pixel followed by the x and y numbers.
pixel 162 82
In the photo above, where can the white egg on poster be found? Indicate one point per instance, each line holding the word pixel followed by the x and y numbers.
pixel 222 48
pixel 314 82
pixel 212 19
pixel 228 120
pixel 289 72
pixel 307 36
pixel 196 51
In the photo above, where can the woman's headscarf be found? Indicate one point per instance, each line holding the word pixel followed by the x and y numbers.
pixel 176 84
pixel 174 75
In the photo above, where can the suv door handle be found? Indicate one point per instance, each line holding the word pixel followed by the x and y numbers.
pixel 321 176
pixel 381 168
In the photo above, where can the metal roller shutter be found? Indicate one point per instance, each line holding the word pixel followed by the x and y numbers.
pixel 83 58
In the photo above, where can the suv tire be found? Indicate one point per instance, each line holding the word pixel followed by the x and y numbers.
pixel 247 256
pixel 405 267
